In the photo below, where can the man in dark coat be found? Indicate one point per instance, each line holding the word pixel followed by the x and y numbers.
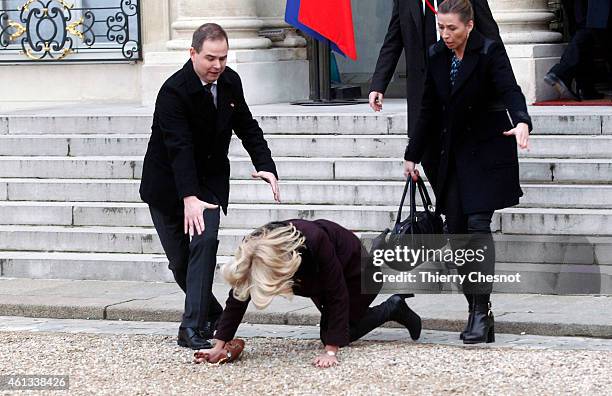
pixel 413 29
pixel 186 172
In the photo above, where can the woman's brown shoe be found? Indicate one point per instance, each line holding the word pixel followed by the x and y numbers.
pixel 233 350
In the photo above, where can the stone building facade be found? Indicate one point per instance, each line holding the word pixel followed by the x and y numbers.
pixel 270 55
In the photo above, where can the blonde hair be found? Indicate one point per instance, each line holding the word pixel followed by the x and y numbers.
pixel 264 264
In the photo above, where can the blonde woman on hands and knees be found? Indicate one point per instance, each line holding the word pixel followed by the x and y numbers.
pixel 317 259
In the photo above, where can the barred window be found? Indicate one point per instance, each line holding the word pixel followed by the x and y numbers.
pixel 69 30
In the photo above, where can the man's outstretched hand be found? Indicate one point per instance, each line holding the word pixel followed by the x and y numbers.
pixel 194 214
pixel 270 179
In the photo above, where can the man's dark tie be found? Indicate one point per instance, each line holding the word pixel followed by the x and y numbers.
pixel 210 100
pixel 429 25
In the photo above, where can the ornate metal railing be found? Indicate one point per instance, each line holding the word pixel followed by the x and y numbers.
pixel 79 30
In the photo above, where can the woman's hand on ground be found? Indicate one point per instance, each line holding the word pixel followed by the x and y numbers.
pixel 324 360
pixel 410 170
pixel 211 355
pixel 521 132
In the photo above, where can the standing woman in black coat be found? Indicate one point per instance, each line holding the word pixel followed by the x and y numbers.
pixel 412 30
pixel 474 114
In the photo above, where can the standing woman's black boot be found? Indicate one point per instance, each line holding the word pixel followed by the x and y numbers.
pixel 468 325
pixel 483 322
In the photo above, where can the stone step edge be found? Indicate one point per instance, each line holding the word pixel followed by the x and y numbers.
pixel 133 158
pixel 238 232
pixel 295 318
pixel 302 207
pixel 283 135
pixel 506 265
pixel 535 111
pixel 292 182
pixel 91 256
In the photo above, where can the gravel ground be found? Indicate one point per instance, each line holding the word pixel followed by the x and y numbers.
pixel 147 364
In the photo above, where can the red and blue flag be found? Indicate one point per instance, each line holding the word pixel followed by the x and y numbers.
pixel 325 20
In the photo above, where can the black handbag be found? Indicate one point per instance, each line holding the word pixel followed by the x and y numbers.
pixel 423 229
pixel 426 222
pixel 420 230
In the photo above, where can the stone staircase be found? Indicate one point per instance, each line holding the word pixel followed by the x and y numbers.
pixel 69 204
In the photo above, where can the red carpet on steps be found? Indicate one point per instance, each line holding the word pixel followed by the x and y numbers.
pixel 571 102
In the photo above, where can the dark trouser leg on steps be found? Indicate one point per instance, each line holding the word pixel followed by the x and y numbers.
pixel 481 239
pixel 200 273
pixel 482 324
pixel 576 54
pixel 192 264
pixel 174 241
pixel 372 319
pixel 478 228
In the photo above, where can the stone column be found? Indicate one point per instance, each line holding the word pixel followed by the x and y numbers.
pixel 238 18
pixel 272 14
pixel 533 49
pixel 154 25
pixel 270 73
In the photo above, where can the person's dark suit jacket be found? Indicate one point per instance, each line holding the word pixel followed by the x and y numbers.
pixel 190 140
pixel 598 13
pixel 330 274
pixel 469 120
pixel 405 33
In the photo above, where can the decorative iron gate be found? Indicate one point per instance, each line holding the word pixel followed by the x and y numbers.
pixel 82 30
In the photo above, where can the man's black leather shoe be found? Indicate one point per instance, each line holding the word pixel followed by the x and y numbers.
pixel 191 338
pixel 561 86
pixel 590 94
pixel 208 329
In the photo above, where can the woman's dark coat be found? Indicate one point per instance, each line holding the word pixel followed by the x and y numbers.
pixel 410 33
pixel 465 124
pixel 330 274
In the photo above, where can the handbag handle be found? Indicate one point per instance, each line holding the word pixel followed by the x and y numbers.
pixel 427 203
pixel 410 184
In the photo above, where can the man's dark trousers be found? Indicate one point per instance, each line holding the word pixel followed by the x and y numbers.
pixel 192 263
pixel 577 60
